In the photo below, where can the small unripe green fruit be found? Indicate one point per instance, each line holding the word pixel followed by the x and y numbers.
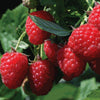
pixel 30 3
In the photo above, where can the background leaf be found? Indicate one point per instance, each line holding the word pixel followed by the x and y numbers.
pixel 8 25
pixel 95 95
pixel 22 45
pixel 61 91
pixel 86 87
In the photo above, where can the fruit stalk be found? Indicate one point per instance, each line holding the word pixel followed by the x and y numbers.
pixel 41 50
pixel 20 38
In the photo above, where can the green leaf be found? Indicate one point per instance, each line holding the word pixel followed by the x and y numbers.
pixel 95 95
pixel 22 45
pixel 61 91
pixel 42 53
pixel 92 99
pixel 1 98
pixel 5 92
pixel 49 26
pixel 86 87
pixel 18 95
pixel 9 94
pixel 0 56
pixel 8 25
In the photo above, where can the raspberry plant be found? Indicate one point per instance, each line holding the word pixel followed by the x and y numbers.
pixel 60 63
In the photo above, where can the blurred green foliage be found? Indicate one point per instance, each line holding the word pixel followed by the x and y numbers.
pixel 9 24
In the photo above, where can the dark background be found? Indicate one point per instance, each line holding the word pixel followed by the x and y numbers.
pixel 8 4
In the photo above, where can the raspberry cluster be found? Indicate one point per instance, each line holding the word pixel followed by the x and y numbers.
pixel 85 40
pixel 14 68
pixel 83 46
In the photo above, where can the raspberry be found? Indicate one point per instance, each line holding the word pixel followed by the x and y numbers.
pixel 85 42
pixel 13 69
pixel 95 66
pixel 71 65
pixel 41 76
pixel 35 34
pixel 51 51
pixel 94 17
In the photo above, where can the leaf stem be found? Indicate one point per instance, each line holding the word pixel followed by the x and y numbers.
pixel 20 38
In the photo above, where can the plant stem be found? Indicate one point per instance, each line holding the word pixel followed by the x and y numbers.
pixel 44 8
pixel 20 38
pixel 83 17
pixel 41 52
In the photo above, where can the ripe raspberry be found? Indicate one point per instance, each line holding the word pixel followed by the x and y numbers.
pixel 85 42
pixel 13 69
pixel 94 17
pixel 35 34
pixel 41 76
pixel 95 66
pixel 70 64
pixel 51 51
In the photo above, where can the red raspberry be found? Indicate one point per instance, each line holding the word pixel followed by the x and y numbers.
pixel 70 64
pixel 95 66
pixel 94 17
pixel 13 69
pixel 85 42
pixel 41 76
pixel 51 51
pixel 36 35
